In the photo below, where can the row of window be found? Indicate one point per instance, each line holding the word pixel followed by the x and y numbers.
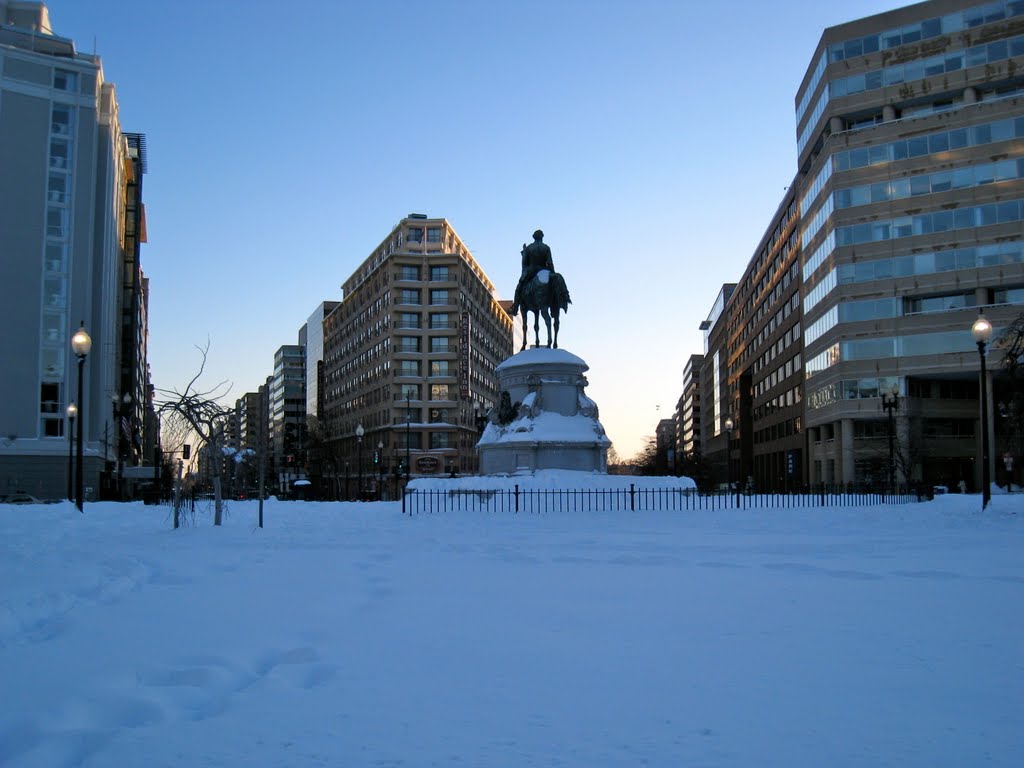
pixel 411 272
pixel 414 321
pixel 853 389
pixel 938 343
pixel 437 344
pixel 415 234
pixel 929 223
pixel 819 110
pixel 916 69
pixel 812 86
pixel 929 144
pixel 922 264
pixel 926 29
pixel 812 192
pixel 925 184
pixel 412 296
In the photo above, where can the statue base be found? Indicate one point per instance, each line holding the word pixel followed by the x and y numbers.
pixel 552 423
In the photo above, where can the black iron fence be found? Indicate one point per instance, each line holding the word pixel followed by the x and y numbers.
pixel 638 499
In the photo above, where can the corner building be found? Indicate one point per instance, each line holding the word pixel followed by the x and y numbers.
pixel 72 222
pixel 910 136
pixel 409 355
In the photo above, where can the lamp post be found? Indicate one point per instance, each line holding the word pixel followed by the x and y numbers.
pixel 729 426
pixel 81 344
pixel 72 413
pixel 982 332
pixel 891 403
pixel 359 458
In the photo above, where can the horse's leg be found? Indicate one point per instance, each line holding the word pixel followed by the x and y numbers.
pixel 556 327
pixel 547 322
pixel 536 328
pixel 525 337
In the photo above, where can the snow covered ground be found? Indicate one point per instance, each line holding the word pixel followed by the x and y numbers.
pixel 349 635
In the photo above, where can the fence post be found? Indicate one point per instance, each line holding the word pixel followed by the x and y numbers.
pixel 403 500
pixel 632 497
pixel 517 497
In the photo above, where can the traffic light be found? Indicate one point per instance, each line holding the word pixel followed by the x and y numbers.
pixel 376 458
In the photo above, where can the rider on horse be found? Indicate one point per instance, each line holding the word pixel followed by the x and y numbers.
pixel 536 256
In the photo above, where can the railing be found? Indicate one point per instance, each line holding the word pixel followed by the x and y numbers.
pixel 634 499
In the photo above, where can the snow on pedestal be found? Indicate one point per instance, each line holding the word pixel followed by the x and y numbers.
pixel 555 426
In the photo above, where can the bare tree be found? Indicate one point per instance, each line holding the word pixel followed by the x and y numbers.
pixel 1011 407
pixel 206 417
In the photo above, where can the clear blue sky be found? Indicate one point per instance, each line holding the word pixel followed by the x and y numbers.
pixel 650 140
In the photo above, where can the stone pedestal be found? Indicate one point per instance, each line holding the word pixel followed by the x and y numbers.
pixel 549 423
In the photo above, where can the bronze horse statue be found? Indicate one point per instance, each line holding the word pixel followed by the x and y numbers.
pixel 545 294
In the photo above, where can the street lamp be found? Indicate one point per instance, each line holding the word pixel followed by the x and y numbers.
pixel 729 426
pixel 891 403
pixel 359 457
pixel 72 413
pixel 982 332
pixel 81 344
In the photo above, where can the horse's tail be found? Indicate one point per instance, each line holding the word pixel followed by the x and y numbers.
pixel 559 292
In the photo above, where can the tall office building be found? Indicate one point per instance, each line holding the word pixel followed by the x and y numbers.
pixel 288 414
pixel 910 132
pixel 314 334
pixel 71 221
pixel 763 360
pixel 410 355
pixel 688 419
pixel 716 402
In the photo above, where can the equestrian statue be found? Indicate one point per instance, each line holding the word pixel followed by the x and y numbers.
pixel 541 290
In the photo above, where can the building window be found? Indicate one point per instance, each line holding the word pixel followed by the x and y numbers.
pixel 408 367
pixel 408 391
pixel 408 296
pixel 408 343
pixel 56 222
pixel 440 440
pixel 64 80
pixel 60 154
pixel 440 320
pixel 57 188
pixel 60 122
pixel 408 272
pixel 438 415
pixel 433 234
pixel 439 392
pixel 408 320
pixel 439 296
pixel 440 344
pixel 407 440
pixel 439 274
pixel 440 368
pixel 415 235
